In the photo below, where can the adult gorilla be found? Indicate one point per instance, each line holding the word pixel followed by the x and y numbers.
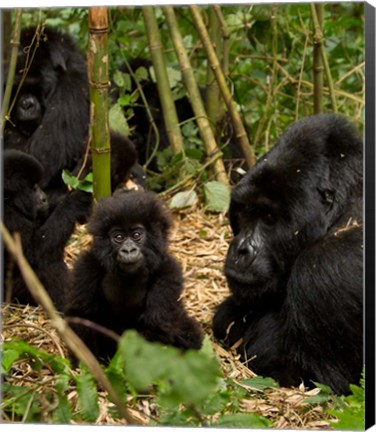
pixel 50 118
pixel 295 265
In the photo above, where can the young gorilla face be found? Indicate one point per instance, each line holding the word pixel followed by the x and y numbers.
pixel 128 244
pixel 130 232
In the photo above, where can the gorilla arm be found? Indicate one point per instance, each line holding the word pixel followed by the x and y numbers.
pixel 163 301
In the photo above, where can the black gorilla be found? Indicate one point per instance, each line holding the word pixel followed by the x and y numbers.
pixel 295 265
pixel 127 279
pixel 44 234
pixel 51 115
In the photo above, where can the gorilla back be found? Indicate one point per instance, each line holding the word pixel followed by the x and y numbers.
pixel 295 265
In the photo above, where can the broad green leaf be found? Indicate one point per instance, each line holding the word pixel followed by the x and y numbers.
pixel 183 200
pixel 188 377
pixel 69 179
pixel 217 197
pixel 141 73
pixel 145 362
pixel 117 121
pixel 122 80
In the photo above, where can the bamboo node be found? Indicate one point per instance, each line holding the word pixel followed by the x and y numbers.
pixel 99 85
pixel 101 150
pixel 98 30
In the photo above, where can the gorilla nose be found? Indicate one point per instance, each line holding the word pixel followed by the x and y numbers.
pixel 27 103
pixel 245 249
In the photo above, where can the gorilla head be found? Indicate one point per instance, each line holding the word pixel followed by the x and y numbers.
pixel 290 199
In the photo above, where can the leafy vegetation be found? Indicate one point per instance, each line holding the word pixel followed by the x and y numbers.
pixel 270 73
pixel 270 77
pixel 188 388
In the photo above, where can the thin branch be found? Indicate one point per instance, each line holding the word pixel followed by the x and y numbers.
pixel 240 132
pixel 324 59
pixel 15 43
pixel 190 83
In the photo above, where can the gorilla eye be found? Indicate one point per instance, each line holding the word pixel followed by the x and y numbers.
pixel 268 218
pixel 118 237
pixel 136 235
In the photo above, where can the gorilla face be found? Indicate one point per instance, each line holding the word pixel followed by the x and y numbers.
pixel 28 108
pixel 271 225
pixel 127 247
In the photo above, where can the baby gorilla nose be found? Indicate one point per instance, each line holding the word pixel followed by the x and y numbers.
pixel 129 253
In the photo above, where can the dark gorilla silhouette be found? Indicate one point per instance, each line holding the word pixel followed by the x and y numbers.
pixel 51 115
pixel 127 279
pixel 44 234
pixel 295 265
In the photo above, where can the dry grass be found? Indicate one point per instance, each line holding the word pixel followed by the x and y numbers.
pixel 199 241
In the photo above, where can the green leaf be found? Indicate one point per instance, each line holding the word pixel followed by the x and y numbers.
pixel 88 396
pixel 348 419
pixel 183 200
pixel 69 179
pixel 124 100
pixel 63 412
pixel 217 197
pixel 22 401
pixel 242 420
pixel 145 362
pixel 117 121
pixel 85 185
pixel 8 358
pixel 174 76
pixel 260 383
pixel 142 74
pixel 122 80
pixel 188 377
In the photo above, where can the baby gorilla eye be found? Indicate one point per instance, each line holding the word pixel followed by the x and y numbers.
pixel 136 235
pixel 118 237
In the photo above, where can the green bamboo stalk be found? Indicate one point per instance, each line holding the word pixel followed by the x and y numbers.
pixel 97 60
pixel 206 132
pixel 226 40
pixel 213 102
pixel 240 132
pixel 15 43
pixel 324 59
pixel 318 79
pixel 167 102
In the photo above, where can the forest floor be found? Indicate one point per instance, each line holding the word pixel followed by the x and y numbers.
pixel 199 241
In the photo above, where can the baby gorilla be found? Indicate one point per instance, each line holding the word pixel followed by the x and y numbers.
pixel 128 280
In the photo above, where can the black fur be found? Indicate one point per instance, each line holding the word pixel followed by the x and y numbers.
pixel 44 234
pixel 51 116
pixel 295 265
pixel 134 283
